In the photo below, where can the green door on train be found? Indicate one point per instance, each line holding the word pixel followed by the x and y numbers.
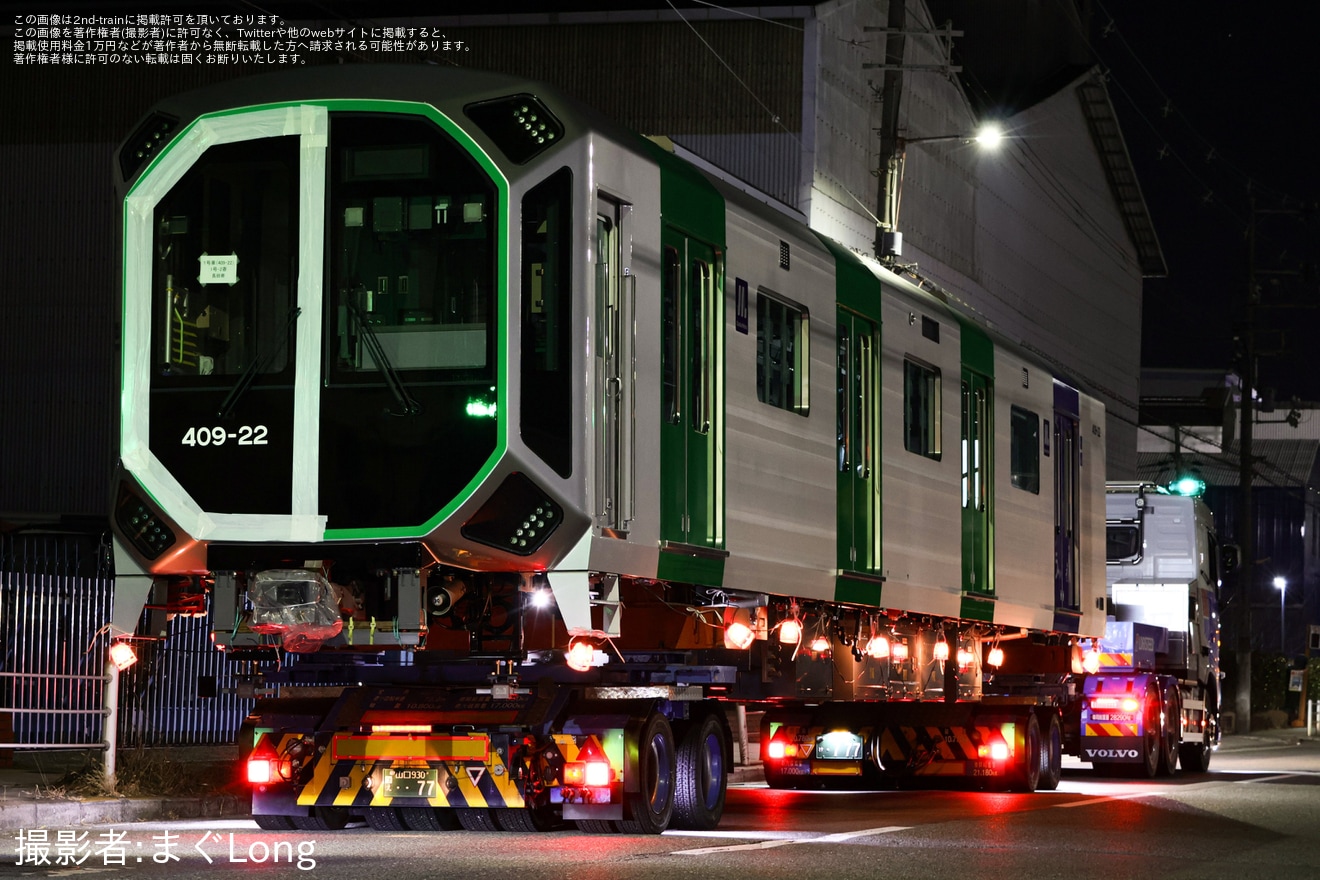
pixel 692 405
pixel 977 464
pixel 857 386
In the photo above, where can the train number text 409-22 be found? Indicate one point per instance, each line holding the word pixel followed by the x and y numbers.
pixel 243 435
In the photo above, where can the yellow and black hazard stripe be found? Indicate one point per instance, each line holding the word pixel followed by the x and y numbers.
pixel 356 779
pixel 1111 729
pixel 935 751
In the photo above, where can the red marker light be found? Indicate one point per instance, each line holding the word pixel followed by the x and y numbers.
pixel 739 635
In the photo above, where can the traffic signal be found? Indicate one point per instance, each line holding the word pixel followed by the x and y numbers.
pixel 1188 484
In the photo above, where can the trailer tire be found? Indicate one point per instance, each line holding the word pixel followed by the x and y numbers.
pixel 384 819
pixel 322 819
pixel 274 823
pixel 701 783
pixel 652 805
pixel 429 819
pixel 781 781
pixel 1026 776
pixel 1172 733
pixel 529 820
pixel 1152 740
pixel 474 819
pixel 1051 755
pixel 595 826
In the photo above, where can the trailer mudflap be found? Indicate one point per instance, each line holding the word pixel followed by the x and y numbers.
pixel 1113 718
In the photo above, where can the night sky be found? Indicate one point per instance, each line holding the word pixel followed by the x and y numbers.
pixel 1218 103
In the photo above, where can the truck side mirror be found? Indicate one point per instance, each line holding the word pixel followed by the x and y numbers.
pixel 1228 558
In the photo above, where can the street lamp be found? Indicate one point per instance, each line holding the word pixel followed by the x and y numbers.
pixel 987 137
pixel 1281 584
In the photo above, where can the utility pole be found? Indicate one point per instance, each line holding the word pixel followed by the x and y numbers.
pixel 1246 523
pixel 890 92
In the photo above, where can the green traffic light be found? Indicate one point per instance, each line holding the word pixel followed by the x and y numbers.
pixel 1187 486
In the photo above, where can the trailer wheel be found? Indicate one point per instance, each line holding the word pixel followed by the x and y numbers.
pixel 429 819
pixel 652 805
pixel 1152 739
pixel 528 820
pixel 274 823
pixel 701 780
pixel 595 826
pixel 1172 731
pixel 322 819
pixel 384 819
pixel 476 819
pixel 1026 776
pixel 1051 756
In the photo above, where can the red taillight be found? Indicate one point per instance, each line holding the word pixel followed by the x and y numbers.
pixel 1115 704
pixel 263 763
pixel 775 750
pixel 590 773
pixel 259 772
pixel 995 751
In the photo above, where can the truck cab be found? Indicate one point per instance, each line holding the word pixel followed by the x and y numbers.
pixel 1163 572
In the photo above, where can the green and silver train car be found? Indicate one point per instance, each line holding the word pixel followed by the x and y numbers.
pixel 443 385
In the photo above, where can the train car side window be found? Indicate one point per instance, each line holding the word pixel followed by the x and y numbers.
pixel 671 344
pixel 921 409
pixel 547 321
pixel 1024 449
pixel 703 363
pixel 781 354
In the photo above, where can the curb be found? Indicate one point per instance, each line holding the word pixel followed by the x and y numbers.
pixel 51 812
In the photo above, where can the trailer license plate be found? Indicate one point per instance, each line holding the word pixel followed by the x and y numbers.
pixel 409 782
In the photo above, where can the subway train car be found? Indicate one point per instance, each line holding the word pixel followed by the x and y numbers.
pixel 534 450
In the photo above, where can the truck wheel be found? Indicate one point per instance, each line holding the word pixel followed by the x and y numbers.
pixel 429 819
pixel 1152 739
pixel 652 806
pixel 529 820
pixel 1026 775
pixel 701 783
pixel 274 823
pixel 1051 756
pixel 595 826
pixel 1195 756
pixel 476 819
pixel 1172 730
pixel 384 819
pixel 322 819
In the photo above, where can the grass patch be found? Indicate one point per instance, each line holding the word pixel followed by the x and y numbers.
pixel 150 773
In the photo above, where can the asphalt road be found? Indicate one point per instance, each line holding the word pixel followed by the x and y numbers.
pixel 1255 815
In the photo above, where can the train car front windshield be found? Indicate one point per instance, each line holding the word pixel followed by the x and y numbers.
pixel 312 304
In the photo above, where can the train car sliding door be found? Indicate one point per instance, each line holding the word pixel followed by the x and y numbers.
pixel 615 299
pixel 859 445
pixel 691 432
pixel 1067 505
pixel 977 486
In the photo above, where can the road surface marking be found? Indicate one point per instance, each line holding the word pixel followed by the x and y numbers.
pixel 840 837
